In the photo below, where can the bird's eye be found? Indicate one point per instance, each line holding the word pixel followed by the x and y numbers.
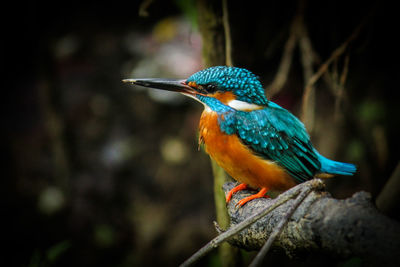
pixel 204 88
pixel 211 88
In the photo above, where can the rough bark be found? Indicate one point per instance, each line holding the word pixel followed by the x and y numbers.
pixel 346 228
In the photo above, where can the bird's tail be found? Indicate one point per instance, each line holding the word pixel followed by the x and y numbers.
pixel 336 167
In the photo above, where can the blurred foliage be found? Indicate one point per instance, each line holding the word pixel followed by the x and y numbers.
pixel 100 174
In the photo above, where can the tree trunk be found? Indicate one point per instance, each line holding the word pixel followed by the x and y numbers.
pixel 341 228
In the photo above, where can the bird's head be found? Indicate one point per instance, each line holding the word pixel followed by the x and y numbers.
pixel 236 87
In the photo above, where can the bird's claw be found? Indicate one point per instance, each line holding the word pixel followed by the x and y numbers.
pixel 260 194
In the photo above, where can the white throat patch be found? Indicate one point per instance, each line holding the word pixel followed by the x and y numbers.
pixel 242 105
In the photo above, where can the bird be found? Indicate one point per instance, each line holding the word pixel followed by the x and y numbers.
pixel 260 144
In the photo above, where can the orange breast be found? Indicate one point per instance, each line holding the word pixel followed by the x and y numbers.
pixel 238 160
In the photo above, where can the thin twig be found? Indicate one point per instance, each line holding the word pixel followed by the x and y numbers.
pixel 261 254
pixel 286 62
pixel 340 90
pixel 287 57
pixel 316 183
pixel 324 67
pixel 307 60
pixel 345 71
pixel 143 8
pixel 389 197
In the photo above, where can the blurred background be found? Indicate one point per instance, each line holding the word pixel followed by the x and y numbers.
pixel 99 173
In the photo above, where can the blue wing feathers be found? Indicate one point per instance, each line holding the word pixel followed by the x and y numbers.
pixel 275 134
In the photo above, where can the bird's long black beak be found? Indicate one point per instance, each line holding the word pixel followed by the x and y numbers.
pixel 164 84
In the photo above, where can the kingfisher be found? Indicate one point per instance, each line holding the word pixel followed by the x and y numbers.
pixel 257 142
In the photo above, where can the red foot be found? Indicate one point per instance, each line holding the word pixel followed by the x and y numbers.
pixel 260 194
pixel 234 190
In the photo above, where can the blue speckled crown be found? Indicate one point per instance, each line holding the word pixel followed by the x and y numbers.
pixel 243 83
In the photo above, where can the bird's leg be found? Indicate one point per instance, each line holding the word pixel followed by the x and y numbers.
pixel 260 194
pixel 234 190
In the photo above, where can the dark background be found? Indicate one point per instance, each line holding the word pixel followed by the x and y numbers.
pixel 100 174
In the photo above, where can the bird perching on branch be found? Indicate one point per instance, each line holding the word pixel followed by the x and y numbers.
pixel 260 144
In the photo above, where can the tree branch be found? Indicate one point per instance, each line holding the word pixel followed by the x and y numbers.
pixel 389 197
pixel 235 229
pixel 271 239
pixel 324 67
pixel 286 61
pixel 343 228
pixel 252 218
